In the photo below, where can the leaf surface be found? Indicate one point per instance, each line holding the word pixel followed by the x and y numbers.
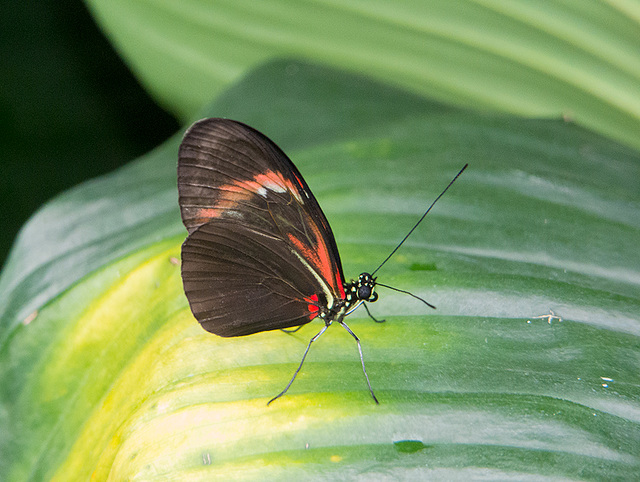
pixel 572 58
pixel 105 372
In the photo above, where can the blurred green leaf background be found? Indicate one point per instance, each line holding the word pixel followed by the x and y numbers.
pixel 70 109
pixel 572 58
pixel 104 371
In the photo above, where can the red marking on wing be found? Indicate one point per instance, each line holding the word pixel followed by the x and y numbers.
pixel 300 183
pixel 233 194
pixel 313 306
pixel 320 259
pixel 340 286
pixel 204 214
pixel 251 186
pixel 272 179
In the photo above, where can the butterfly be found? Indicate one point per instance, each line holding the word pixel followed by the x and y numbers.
pixel 260 254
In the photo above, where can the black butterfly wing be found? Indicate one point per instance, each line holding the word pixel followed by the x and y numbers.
pixel 260 254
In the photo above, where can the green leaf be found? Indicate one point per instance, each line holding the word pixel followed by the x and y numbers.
pixel 105 372
pixel 572 58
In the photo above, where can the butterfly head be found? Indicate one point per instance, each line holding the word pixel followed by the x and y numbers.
pixel 363 289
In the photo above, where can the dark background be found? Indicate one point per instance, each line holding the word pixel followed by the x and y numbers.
pixel 70 109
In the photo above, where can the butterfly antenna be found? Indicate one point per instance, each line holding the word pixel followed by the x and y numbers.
pixel 417 224
pixel 406 293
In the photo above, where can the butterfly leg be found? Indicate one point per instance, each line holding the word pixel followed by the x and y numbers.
pixel 291 331
pixel 371 316
pixel 361 359
pixel 300 366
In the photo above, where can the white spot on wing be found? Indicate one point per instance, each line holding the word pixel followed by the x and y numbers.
pixel 298 197
pixel 274 187
pixel 233 214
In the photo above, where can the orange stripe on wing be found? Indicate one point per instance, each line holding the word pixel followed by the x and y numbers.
pixel 275 181
pixel 320 259
pixel 231 195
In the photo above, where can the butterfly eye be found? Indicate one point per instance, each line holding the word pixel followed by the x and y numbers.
pixel 364 292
